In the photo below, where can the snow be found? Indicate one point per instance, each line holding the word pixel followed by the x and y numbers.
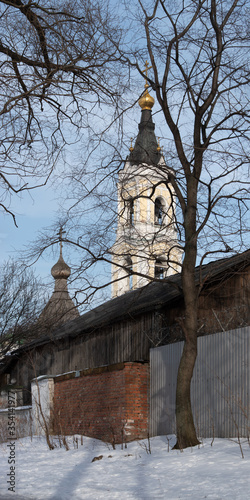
pixel 132 473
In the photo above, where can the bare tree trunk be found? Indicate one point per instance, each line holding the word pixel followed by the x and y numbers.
pixel 186 433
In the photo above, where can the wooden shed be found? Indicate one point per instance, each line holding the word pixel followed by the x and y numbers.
pixel 120 333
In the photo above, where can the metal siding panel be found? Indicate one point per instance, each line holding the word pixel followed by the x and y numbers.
pixel 164 363
pixel 219 389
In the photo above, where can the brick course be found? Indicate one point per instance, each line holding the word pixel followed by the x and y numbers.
pixel 108 403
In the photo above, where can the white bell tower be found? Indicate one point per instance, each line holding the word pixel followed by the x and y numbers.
pixel 146 245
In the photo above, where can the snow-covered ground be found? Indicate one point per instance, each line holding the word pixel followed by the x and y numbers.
pixel 212 472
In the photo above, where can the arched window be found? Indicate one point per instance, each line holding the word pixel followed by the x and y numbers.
pixel 159 269
pixel 159 211
pixel 129 270
pixel 131 209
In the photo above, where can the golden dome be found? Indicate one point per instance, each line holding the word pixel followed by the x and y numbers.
pixel 146 101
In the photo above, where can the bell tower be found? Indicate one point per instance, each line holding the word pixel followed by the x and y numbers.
pixel 146 245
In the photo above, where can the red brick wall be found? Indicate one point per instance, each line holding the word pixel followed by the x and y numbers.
pixel 136 397
pixel 108 403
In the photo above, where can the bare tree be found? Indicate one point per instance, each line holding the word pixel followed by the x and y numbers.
pixel 198 51
pixel 56 66
pixel 204 64
pixel 21 301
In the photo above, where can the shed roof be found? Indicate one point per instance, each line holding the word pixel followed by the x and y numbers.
pixel 151 297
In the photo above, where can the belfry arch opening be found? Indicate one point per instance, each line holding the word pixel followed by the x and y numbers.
pixel 130 211
pixel 159 211
pixel 128 264
pixel 160 268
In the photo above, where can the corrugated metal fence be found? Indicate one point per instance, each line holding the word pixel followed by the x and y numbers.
pixel 220 389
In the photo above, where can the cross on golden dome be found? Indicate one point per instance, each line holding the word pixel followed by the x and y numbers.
pixel 146 69
pixel 146 101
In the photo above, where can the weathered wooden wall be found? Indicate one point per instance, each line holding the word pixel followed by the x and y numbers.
pixel 225 303
pixel 120 342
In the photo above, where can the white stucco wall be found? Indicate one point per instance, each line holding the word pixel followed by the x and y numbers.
pixel 42 390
